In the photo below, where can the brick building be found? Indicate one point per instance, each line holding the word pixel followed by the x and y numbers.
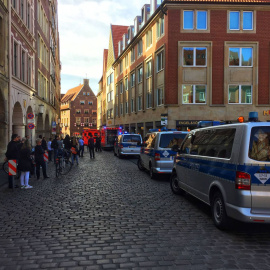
pixel 191 61
pixel 78 110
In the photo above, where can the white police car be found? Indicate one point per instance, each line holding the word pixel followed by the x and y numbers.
pixel 156 153
pixel 228 168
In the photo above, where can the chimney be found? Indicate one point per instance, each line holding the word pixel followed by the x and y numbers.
pixel 86 81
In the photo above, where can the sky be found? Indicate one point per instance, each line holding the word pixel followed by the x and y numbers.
pixel 84 29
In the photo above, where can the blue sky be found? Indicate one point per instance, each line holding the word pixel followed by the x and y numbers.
pixel 84 27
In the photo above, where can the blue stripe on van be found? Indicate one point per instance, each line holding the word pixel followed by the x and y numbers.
pixel 259 174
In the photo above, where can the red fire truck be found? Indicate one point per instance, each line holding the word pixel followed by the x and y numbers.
pixel 108 136
pixel 87 132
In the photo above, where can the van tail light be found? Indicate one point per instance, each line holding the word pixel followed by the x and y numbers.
pixel 121 146
pixel 157 156
pixel 242 181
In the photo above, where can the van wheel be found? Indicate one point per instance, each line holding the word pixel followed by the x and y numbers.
pixel 139 164
pixel 219 214
pixel 152 174
pixel 175 186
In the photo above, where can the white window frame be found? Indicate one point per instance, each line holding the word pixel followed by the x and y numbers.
pixel 158 95
pixel 139 103
pixel 240 57
pixel 160 58
pixel 194 94
pixel 195 20
pixel 240 94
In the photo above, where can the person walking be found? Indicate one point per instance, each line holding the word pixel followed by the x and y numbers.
pixel 81 145
pixel 54 146
pixel 12 154
pixel 67 143
pixel 91 146
pixel 25 164
pixel 75 152
pixel 39 159
pixel 49 145
pixel 98 144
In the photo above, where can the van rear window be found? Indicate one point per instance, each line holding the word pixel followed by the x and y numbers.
pixel 213 143
pixel 132 138
pixel 171 139
pixel 259 146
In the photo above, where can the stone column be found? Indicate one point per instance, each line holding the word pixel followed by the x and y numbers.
pixel 19 129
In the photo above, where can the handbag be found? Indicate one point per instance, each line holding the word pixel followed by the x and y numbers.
pixel 74 150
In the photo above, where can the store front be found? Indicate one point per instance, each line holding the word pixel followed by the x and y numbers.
pixel 186 125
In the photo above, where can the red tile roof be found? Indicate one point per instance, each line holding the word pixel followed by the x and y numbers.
pixel 71 93
pixel 117 34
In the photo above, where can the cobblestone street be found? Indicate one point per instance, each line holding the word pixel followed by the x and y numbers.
pixel 106 214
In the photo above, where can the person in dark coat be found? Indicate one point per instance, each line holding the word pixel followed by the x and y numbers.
pixel 39 159
pixel 67 142
pixel 25 164
pixel 12 154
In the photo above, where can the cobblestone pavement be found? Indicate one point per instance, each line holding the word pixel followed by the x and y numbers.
pixel 106 214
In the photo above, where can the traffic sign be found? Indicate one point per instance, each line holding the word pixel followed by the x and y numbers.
pixel 31 126
pixel 31 121
pixel 30 116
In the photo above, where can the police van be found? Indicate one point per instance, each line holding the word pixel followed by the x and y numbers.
pixel 228 168
pixel 157 154
pixel 127 145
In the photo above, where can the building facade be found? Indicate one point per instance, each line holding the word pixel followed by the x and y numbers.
pixel 78 110
pixel 193 60
pixel 33 27
pixel 4 73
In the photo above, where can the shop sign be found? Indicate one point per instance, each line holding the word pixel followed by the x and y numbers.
pixel 187 123
pixel 266 112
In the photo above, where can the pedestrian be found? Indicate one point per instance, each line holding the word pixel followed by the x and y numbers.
pixel 74 150
pixel 44 144
pixel 25 164
pixel 20 144
pixel 67 143
pixel 39 159
pixel 12 154
pixel 98 144
pixel 91 146
pixel 49 145
pixel 54 147
pixel 81 145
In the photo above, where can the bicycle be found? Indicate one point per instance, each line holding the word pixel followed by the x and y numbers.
pixel 63 164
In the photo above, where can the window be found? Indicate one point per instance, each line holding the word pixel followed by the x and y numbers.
pixel 29 63
pixel 88 93
pixel 132 55
pixel 90 102
pixel 22 9
pixel 28 16
pixel 23 66
pixel 15 59
pixel 139 103
pixel 149 100
pixel 241 20
pixel 126 107
pixel 160 61
pixel 241 57
pixel 121 109
pixel 149 38
pixel 148 69
pixel 140 49
pixel 126 84
pixel 160 27
pixel 159 96
pixel 140 74
pixel 194 94
pixel 86 111
pixel 240 94
pixel 194 56
pixel 78 111
pixel 84 93
pixel 86 120
pixel 121 66
pixel 126 61
pixel 14 2
pixel 195 20
pixel 121 87
pixel 132 79
pixel 78 120
pixel 132 105
pixel 82 102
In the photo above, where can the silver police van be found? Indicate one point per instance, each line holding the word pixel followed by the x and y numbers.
pixel 127 145
pixel 157 154
pixel 228 168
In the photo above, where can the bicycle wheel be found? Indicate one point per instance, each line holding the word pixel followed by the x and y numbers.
pixel 57 168
pixel 66 167
pixel 5 167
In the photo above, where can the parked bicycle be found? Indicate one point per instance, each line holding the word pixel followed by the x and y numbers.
pixel 63 164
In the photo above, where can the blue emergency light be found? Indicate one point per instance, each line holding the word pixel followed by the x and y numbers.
pixel 253 117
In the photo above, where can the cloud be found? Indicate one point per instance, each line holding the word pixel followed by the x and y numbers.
pixel 84 27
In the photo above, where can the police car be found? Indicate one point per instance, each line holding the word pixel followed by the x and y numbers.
pixel 228 168
pixel 127 145
pixel 156 152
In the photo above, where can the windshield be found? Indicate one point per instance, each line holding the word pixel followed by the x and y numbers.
pixel 132 138
pixel 259 148
pixel 171 139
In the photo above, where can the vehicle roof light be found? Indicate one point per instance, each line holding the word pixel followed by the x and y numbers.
pixel 253 117
pixel 241 119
